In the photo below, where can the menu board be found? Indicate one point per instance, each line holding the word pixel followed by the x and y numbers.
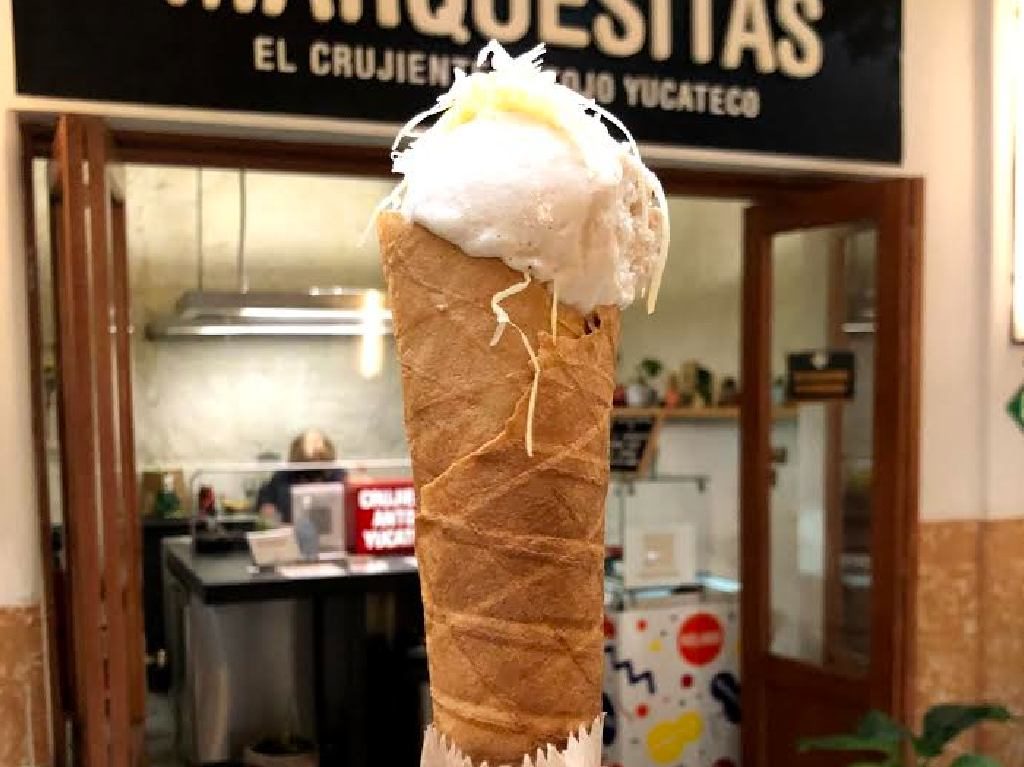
pixel 633 441
pixel 821 376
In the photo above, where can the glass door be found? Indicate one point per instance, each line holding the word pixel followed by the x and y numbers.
pixel 823 302
pixel 830 332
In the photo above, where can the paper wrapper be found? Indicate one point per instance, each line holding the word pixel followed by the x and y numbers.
pixel 510 547
pixel 582 750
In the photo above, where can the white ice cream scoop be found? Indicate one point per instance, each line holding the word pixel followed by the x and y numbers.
pixel 521 168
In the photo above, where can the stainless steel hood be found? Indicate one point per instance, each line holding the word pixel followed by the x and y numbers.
pixel 317 312
pixel 333 311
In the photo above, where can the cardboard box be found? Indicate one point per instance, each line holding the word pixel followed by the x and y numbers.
pixel 671 690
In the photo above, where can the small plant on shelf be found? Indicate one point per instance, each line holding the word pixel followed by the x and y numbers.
pixel 891 742
pixel 640 393
pixel 649 368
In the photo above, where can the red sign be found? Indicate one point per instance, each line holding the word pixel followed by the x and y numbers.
pixel 701 639
pixel 382 516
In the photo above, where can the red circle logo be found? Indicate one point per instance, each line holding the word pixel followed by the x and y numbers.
pixel 701 639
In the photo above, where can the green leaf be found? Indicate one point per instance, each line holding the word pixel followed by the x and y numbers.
pixel 974 760
pixel 876 732
pixel 848 743
pixel 877 725
pixel 942 724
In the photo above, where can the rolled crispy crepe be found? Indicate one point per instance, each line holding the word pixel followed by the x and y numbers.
pixel 510 546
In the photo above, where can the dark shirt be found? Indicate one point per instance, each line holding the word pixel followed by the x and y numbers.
pixel 278 491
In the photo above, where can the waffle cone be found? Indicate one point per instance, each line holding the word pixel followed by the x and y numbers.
pixel 510 547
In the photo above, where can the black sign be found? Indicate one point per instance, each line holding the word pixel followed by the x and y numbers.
pixel 802 77
pixel 822 376
pixel 632 438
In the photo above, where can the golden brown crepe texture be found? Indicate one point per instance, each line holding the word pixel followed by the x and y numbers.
pixel 510 547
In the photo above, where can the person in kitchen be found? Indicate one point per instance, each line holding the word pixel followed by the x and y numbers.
pixel 275 497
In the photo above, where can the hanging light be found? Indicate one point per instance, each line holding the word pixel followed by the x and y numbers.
pixel 371 350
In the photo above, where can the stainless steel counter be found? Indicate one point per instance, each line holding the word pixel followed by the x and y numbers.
pixel 260 654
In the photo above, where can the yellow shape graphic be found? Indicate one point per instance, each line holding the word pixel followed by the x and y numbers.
pixel 655 646
pixel 667 740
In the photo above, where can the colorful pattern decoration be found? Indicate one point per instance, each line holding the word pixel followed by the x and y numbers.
pixel 667 741
pixel 701 639
pixel 672 683
pixel 627 666
pixel 610 724
pixel 725 688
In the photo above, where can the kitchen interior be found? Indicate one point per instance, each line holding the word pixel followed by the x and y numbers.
pixel 265 381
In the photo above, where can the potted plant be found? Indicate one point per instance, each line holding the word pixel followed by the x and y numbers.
pixel 892 743
pixel 640 393
pixel 286 751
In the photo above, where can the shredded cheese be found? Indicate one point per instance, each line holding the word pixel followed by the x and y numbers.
pixel 388 203
pixel 554 310
pixel 502 320
pixel 654 286
pixel 499 311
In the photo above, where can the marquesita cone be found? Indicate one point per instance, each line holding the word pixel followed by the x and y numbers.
pixel 510 546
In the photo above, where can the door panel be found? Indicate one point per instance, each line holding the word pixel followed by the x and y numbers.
pixel 100 518
pixel 823 297
pixel 826 538
pixel 788 720
pixel 84 566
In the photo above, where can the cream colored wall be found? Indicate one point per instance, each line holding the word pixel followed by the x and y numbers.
pixel 948 140
pixel 698 318
pixel 19 542
pixel 1005 364
pixel 944 91
pixel 301 231
pixel 204 401
pixel 701 284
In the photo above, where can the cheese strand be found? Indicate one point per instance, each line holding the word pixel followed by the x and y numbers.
pixel 503 319
pixel 554 310
pixel 499 312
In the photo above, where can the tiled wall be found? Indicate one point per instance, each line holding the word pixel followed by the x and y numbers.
pixel 1001 666
pixel 24 738
pixel 970 622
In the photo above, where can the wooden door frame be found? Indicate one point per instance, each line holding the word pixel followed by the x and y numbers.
pixel 298 154
pixel 897 207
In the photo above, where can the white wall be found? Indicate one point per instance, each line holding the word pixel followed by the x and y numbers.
pixel 944 91
pixel 205 400
pixel 698 318
pixel 948 141
pixel 698 313
pixel 19 544
pixel 1005 441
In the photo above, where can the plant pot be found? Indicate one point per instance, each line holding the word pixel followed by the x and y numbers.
pixel 254 758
